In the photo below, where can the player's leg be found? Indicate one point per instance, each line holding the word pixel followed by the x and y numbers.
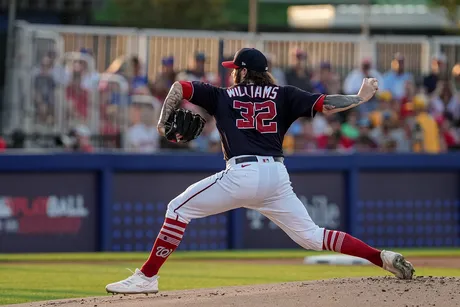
pixel 291 216
pixel 207 197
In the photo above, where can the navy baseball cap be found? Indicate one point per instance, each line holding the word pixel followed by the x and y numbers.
pixel 168 61
pixel 249 58
pixel 200 56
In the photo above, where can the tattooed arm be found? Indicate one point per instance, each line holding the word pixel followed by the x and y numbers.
pixel 338 103
pixel 172 102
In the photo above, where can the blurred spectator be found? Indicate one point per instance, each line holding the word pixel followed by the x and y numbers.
pixel 390 136
pixel 276 71
pixel 143 136
pixel 288 144
pixel 309 142
pixel 87 51
pixel 438 73
pixel 334 84
pixel 405 108
pixel 364 143
pixel 110 93
pixel 90 77
pixel 325 81
pixel 113 113
pixel 295 138
pixel 60 74
pixel 323 133
pixel 44 92
pixel 384 109
pixel 320 78
pixel 354 80
pixel 443 100
pixel 456 77
pixel 425 131
pixel 350 130
pixel 209 139
pixel 320 125
pixel 453 108
pixel 78 99
pixel 333 140
pixel 110 126
pixel 395 79
pixel 197 71
pixel 298 74
pixel 165 78
pixel 297 133
pixel 449 134
pixel 77 140
pixel 137 78
pixel 110 121
pixel 83 141
pixel 18 139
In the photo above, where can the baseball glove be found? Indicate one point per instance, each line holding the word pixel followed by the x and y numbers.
pixel 183 126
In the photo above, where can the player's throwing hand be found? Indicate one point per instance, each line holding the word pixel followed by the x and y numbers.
pixel 368 89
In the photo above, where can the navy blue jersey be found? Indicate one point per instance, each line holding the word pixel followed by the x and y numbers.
pixel 252 120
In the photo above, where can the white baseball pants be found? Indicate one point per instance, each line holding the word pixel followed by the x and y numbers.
pixel 263 186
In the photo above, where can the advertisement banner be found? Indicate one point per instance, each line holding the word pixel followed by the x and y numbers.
pixel 322 194
pixel 48 212
pixel 139 207
pixel 409 209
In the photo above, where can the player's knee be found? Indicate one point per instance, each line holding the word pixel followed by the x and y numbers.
pixel 173 211
pixel 312 238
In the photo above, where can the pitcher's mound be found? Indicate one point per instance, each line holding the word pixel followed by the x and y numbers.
pixel 359 292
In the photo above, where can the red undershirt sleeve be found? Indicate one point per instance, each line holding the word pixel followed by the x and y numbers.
pixel 187 90
pixel 319 104
pixel 201 94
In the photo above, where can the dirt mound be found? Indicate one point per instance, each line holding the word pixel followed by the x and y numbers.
pixel 361 292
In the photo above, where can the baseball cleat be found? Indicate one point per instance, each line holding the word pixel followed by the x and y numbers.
pixel 396 264
pixel 137 283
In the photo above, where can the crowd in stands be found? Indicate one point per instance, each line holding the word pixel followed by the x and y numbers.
pixel 97 113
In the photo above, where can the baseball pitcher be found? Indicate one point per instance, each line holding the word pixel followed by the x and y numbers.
pixel 252 118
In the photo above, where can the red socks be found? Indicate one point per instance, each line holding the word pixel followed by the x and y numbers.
pixel 341 242
pixel 167 241
pixel 172 232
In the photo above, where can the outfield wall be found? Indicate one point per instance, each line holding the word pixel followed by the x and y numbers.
pixel 116 202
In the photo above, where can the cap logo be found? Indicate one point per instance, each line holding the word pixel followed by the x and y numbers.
pixel 242 63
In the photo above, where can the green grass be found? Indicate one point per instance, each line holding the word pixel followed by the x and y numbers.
pixel 80 275
pixel 204 255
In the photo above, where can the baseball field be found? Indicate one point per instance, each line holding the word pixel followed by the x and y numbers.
pixel 230 278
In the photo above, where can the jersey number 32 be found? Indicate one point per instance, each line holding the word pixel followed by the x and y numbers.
pixel 259 116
